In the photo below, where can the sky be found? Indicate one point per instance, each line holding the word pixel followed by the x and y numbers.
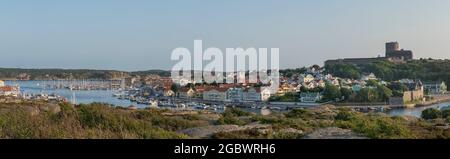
pixel 140 34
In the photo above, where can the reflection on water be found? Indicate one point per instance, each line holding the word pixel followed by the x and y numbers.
pixel 417 112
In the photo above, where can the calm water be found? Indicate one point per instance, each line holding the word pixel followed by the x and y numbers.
pixel 85 97
pixel 105 96
pixel 416 111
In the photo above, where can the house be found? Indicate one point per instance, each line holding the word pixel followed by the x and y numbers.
pixel 356 87
pixel 310 85
pixel 235 94
pixel 168 92
pixel 253 94
pixel 265 94
pixel 215 94
pixel 2 83
pixel 186 92
pixel 9 91
pixel 321 84
pixel 370 76
pixel 285 88
pixel 435 87
pixel 308 78
pixel 334 82
pixel 308 97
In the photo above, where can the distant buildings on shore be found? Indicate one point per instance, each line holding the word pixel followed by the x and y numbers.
pixel 8 90
pixel 393 53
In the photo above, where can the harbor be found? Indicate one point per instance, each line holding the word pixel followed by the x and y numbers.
pixel 116 97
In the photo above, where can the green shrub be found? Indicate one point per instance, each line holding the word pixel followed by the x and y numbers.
pixel 431 113
pixel 344 115
pixel 445 113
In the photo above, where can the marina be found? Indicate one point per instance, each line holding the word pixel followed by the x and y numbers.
pixel 115 97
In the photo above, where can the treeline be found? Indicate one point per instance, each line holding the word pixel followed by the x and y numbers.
pixel 49 74
pixel 423 69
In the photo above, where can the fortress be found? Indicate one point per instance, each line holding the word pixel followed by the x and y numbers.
pixel 393 54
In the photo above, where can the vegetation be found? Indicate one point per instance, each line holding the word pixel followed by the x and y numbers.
pixel 433 113
pixel 30 120
pixel 90 121
pixel 344 71
pixel 331 92
pixel 424 69
pixel 288 97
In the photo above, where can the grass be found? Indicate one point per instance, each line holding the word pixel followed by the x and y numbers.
pixel 100 121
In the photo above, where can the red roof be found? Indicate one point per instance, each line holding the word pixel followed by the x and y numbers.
pixel 8 89
pixel 220 89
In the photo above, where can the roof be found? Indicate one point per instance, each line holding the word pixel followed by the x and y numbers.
pixel 184 89
pixel 8 89
pixel 219 89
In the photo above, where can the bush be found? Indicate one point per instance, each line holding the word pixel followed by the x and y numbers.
pixel 445 113
pixel 431 113
pixel 235 112
pixel 297 113
pixel 344 115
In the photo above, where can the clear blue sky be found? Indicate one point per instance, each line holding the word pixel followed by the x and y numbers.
pixel 140 34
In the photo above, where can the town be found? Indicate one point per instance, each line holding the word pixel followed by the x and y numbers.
pixel 303 87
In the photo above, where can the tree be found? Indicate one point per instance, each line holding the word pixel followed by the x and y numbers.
pixel 331 92
pixel 384 93
pixel 431 113
pixel 174 88
pixel 445 113
pixel 372 83
pixel 344 71
pixel 346 93
pixel 367 95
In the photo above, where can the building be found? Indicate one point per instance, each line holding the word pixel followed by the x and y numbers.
pixel 235 95
pixel 435 87
pixel 9 91
pixel 168 92
pixel 415 93
pixel 308 97
pixel 2 83
pixel 253 94
pixel 265 94
pixel 393 53
pixel 186 92
pixel 215 94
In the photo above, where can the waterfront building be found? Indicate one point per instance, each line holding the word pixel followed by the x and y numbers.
pixel 415 93
pixel 168 92
pixel 9 91
pixel 215 94
pixel 253 94
pixel 235 94
pixel 308 97
pixel 265 94
pixel 2 83
pixel 186 92
pixel 435 87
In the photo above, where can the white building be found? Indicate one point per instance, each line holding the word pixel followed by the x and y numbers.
pixel 253 94
pixel 435 87
pixel 235 94
pixel 9 91
pixel 215 94
pixel 310 97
